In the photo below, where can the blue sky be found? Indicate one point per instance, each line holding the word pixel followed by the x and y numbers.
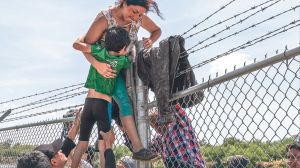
pixel 37 36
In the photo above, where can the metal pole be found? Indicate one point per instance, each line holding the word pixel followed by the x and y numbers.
pixel 5 115
pixel 69 119
pixel 141 100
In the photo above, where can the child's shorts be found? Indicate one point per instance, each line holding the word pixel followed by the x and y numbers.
pixel 95 110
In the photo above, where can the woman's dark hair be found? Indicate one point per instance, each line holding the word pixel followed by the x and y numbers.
pixel 116 38
pixel 149 5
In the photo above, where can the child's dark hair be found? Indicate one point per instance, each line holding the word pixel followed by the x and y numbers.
pixel 116 38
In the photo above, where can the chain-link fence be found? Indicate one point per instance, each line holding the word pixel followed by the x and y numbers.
pixel 246 117
pixel 15 141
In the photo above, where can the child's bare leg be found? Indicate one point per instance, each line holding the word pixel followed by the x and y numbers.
pixel 126 116
pixel 139 152
pixel 109 156
pixel 130 128
pixel 81 147
pixel 102 147
pixel 109 138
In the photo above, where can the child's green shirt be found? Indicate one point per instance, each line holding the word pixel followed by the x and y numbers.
pixel 97 81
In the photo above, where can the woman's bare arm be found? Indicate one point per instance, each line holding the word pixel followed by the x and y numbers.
pixel 96 30
pixel 153 29
pixel 94 33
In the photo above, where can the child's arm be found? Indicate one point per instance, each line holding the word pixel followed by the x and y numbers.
pixel 81 46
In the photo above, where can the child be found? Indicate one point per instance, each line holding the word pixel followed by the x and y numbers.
pixel 97 107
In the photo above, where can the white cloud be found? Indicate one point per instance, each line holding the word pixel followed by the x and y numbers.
pixel 228 62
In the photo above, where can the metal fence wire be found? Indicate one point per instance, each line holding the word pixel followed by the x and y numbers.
pixel 246 119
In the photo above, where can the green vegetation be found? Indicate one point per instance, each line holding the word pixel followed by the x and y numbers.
pixel 120 151
pixel 9 153
pixel 260 154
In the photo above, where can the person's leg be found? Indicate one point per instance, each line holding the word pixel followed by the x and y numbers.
pixel 109 156
pixel 130 128
pixel 139 152
pixel 110 161
pixel 121 97
pixel 86 125
pixel 102 148
pixel 106 155
pixel 127 142
pixel 79 150
pixel 126 113
pixel 103 113
pixel 117 119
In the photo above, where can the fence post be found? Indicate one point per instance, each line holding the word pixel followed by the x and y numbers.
pixel 141 113
pixel 5 115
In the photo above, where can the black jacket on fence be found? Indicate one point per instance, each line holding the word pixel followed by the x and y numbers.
pixel 157 69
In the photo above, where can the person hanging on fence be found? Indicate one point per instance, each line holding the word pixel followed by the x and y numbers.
pixel 130 14
pixel 293 155
pixel 177 143
pixel 97 107
pixel 53 155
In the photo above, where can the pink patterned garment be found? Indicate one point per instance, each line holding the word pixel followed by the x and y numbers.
pixel 178 141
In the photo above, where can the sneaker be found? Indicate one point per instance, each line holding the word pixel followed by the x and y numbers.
pixel 145 155
pixel 165 119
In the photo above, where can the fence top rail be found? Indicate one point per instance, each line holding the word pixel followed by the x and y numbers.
pixel 288 54
pixel 211 82
pixel 38 123
pixel 239 72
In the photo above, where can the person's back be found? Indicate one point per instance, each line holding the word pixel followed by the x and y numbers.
pixel 177 142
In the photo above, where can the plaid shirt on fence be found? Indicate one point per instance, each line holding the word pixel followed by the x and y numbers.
pixel 179 141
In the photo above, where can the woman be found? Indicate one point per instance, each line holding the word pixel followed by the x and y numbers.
pixel 129 14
